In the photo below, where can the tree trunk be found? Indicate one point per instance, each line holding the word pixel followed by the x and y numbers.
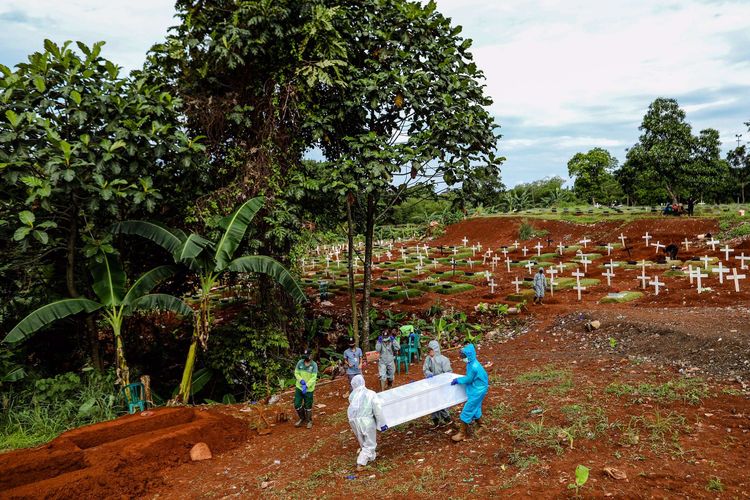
pixel 121 366
pixel 369 229
pixel 70 282
pixel 350 255
pixel 200 335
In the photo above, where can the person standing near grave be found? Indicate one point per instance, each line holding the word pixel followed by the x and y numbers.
pixel 387 348
pixel 435 364
pixel 540 283
pixel 365 417
pixel 353 360
pixel 477 384
pixel 306 374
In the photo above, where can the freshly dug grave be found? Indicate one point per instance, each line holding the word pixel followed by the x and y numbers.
pixel 116 458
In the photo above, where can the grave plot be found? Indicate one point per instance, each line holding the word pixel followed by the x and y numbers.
pixel 117 458
pixel 620 297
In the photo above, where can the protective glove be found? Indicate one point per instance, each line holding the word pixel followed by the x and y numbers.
pixel 380 339
pixel 384 428
pixel 393 338
pixel 429 376
pixel 454 381
pixel 304 386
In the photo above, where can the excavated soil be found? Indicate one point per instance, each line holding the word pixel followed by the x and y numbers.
pixel 121 458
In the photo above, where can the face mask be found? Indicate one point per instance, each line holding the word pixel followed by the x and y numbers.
pixel 465 360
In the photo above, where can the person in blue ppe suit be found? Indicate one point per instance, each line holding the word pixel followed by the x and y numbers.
pixel 477 384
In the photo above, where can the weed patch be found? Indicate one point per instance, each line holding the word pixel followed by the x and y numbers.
pixel 690 391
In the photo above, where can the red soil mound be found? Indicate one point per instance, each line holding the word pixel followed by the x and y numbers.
pixel 117 458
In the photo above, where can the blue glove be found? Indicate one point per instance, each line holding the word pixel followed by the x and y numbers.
pixel 393 338
pixel 384 428
pixel 380 339
pixel 304 386
pixel 454 381
pixel 429 376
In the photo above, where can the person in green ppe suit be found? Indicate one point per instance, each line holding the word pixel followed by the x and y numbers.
pixel 306 374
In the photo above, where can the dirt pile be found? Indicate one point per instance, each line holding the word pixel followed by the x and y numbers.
pixel 122 457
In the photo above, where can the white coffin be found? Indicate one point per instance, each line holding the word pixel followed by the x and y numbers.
pixel 423 397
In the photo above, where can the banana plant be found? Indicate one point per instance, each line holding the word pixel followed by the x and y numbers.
pixel 209 261
pixel 115 301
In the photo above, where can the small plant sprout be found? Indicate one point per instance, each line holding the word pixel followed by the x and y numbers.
pixel 715 484
pixel 582 475
pixel 612 342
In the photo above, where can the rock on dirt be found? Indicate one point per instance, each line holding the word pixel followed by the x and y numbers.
pixel 200 451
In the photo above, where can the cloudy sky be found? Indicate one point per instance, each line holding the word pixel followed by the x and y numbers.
pixel 565 76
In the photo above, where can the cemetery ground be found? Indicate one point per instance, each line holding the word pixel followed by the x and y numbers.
pixel 654 402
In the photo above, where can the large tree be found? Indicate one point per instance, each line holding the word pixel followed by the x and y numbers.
pixel 410 109
pixel 686 166
pixel 592 171
pixel 739 162
pixel 80 147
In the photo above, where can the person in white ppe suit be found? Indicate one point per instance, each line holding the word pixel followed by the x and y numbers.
pixel 365 417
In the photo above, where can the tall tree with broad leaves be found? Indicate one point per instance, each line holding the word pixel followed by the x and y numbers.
pixel 210 260
pixel 116 301
pixel 80 147
pixel 410 109
pixel 686 166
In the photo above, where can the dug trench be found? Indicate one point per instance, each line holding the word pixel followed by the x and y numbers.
pixel 116 458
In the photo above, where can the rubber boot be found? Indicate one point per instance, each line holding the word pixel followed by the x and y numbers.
pixel 462 434
pixel 301 414
pixel 308 415
pixel 390 384
pixel 382 385
pixel 479 423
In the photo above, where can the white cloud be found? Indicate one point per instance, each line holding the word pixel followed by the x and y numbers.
pixel 129 27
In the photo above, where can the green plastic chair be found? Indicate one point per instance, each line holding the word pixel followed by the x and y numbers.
pixel 134 396
pixel 412 344
pixel 402 357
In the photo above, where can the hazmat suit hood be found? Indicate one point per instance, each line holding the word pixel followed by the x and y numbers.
pixel 435 346
pixel 470 352
pixel 357 382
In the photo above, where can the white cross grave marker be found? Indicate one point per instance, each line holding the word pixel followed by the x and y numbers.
pixel 646 237
pixel 529 266
pixel 713 242
pixel 736 278
pixel 561 266
pixel 585 241
pixel 492 286
pixel 656 284
pixel 687 244
pixel 552 272
pixel 419 268
pixel 455 251
pixel 727 251
pixel 609 248
pixel 538 247
pixel 525 251
pixel 644 280
pixel 622 239
pixel 585 261
pixel 698 277
pixel 435 263
pixel 507 263
pixel 706 259
pixel 515 244
pixel 473 250
pixel 471 263
pixel 578 288
pixel 742 260
pixel 690 273
pixel 659 245
pixel 609 275
pixel 465 240
pixel 560 248
pixel 721 270
pixel 517 283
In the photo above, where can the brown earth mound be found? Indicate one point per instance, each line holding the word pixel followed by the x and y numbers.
pixel 116 458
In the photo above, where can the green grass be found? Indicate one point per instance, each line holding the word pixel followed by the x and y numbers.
pixel 688 390
pixel 547 374
pixel 499 411
pixel 625 297
pixel 53 406
pixel 398 293
pixel 454 288
pixel 715 484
